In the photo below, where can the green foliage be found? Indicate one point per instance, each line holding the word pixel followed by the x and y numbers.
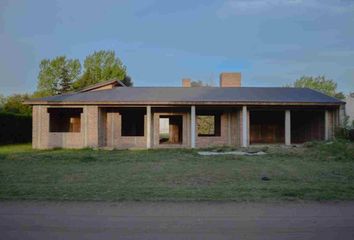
pixel 199 83
pixel 61 75
pixel 340 96
pixel 340 150
pixel 2 101
pixel 15 128
pixel 65 82
pixel 127 81
pixel 177 174
pixel 344 133
pixel 14 104
pixel 101 66
pixel 319 83
pixel 206 125
pixel 57 75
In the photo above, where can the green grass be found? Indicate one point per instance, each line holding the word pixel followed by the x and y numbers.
pixel 318 172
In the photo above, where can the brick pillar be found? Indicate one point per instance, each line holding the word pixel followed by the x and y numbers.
pixel 91 126
pixel 148 127
pixel 326 124
pixel 245 130
pixel 229 128
pixel 287 127
pixel 193 126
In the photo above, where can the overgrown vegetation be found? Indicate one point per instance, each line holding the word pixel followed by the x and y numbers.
pixel 319 171
pixel 346 132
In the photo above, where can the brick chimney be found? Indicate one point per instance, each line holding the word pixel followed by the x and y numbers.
pixel 230 79
pixel 186 82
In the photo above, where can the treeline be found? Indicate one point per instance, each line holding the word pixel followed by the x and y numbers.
pixel 57 76
pixel 15 128
pixel 62 74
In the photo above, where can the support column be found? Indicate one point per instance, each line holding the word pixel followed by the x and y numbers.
pixel 39 132
pixel 287 127
pixel 193 127
pixel 85 126
pixel 244 127
pixel 326 125
pixel 148 127
pixel 229 128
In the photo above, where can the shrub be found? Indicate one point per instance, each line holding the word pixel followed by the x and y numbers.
pixel 351 134
pixel 344 133
pixel 15 128
pixel 339 150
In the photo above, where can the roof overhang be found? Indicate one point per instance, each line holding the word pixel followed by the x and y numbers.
pixel 34 102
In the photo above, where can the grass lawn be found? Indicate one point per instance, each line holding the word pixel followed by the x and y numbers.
pixel 317 172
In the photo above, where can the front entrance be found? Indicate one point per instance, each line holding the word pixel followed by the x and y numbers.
pixel 307 126
pixel 170 130
pixel 267 127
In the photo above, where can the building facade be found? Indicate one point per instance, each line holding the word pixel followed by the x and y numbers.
pixel 110 115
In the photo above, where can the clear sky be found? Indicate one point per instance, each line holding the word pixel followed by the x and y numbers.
pixel 272 42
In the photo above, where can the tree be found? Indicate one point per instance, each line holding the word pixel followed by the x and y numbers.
pixel 14 104
pixel 128 81
pixel 57 75
pixel 65 82
pixel 2 101
pixel 102 66
pixel 319 83
pixel 199 83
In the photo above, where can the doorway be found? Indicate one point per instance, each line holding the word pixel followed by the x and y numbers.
pixel 267 127
pixel 170 129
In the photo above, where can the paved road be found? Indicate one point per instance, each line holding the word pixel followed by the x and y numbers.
pixel 166 220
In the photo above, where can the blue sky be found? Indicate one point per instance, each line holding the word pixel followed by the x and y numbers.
pixel 272 42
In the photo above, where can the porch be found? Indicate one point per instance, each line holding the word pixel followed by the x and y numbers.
pixel 179 126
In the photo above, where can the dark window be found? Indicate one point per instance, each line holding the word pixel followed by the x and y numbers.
pixel 64 119
pixel 133 123
pixel 208 125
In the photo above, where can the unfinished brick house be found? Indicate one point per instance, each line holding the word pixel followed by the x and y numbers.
pixel 111 115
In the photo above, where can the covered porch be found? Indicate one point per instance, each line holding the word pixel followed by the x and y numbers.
pixel 168 126
pixel 206 126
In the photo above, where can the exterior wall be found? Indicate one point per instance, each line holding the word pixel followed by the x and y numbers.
pixel 333 122
pixel 114 138
pixel 229 132
pixel 349 107
pixel 185 130
pixel 87 137
pixel 100 128
pixel 91 126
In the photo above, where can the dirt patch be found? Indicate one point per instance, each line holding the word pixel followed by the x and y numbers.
pixel 76 177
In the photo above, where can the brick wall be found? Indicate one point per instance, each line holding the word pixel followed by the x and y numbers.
pixel 229 132
pixel 100 128
pixel 114 136
pixel 232 79
pixel 43 139
pixel 185 130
